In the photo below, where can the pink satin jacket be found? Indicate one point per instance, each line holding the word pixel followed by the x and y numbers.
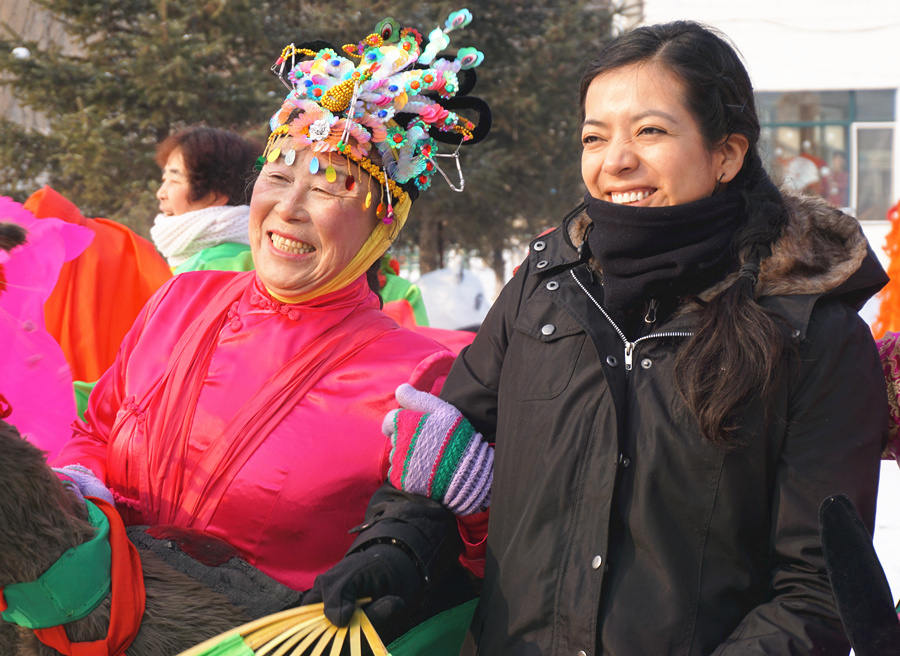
pixel 256 421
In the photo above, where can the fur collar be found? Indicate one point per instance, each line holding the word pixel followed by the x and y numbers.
pixel 820 248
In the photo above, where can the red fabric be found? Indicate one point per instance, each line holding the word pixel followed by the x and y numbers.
pixel 455 340
pixel 255 421
pixel 473 529
pixel 126 601
pixel 100 292
pixel 402 312
pixel 407 422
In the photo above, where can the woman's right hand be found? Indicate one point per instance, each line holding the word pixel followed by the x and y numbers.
pixel 83 483
pixel 383 572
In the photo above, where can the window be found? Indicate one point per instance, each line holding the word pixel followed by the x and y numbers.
pixel 836 144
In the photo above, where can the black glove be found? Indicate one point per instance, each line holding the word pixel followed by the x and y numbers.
pixel 384 572
pixel 860 587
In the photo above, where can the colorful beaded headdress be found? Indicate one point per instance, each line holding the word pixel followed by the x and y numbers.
pixel 383 105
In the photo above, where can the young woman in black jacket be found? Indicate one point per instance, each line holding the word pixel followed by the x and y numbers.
pixel 673 382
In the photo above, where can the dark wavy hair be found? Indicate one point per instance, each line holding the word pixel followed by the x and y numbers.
pixel 737 346
pixel 218 161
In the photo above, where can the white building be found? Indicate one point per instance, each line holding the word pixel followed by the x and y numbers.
pixel 827 73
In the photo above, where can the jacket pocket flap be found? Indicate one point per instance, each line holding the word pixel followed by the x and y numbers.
pixel 545 321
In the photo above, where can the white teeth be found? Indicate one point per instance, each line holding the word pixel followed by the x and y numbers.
pixel 628 196
pixel 291 246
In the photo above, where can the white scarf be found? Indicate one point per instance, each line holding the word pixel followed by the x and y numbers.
pixel 181 236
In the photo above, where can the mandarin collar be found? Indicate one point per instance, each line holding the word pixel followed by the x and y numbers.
pixel 353 294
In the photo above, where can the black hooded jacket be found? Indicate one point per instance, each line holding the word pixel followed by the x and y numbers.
pixel 615 527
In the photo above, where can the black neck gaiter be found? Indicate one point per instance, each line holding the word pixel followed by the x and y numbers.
pixel 663 252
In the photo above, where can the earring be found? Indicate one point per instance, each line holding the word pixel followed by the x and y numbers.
pixel 718 182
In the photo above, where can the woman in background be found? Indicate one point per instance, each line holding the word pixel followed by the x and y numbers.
pixel 203 212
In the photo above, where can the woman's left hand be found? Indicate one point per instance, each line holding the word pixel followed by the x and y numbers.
pixel 437 453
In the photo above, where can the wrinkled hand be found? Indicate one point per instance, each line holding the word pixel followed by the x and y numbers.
pixel 83 483
pixel 383 572
pixel 437 453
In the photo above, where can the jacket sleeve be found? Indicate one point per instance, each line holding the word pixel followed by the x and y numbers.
pixel 837 424
pixel 418 522
pixel 422 527
pixel 475 377
pixel 90 436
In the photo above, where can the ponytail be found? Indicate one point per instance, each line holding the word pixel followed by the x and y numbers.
pixel 736 350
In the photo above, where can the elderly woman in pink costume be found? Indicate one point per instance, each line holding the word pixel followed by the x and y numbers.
pixel 248 405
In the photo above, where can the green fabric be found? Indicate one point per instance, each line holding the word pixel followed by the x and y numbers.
pixel 82 393
pixel 71 588
pixel 441 635
pixel 231 646
pixel 453 453
pixel 227 256
pixel 400 289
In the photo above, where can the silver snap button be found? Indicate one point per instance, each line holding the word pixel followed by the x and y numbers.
pixel 542 264
pixel 539 246
pixel 646 363
pixel 611 360
pixel 581 652
pixel 548 329
pixel 795 333
pixel 596 561
pixel 552 285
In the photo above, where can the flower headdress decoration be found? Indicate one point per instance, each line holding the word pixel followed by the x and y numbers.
pixel 384 104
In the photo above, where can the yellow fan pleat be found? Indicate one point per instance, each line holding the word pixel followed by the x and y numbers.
pixel 260 637
pixel 374 640
pixel 355 644
pixel 324 640
pixel 249 627
pixel 307 640
pixel 338 641
pixel 295 630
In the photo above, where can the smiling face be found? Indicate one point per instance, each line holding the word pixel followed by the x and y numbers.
pixel 643 147
pixel 304 230
pixel 174 193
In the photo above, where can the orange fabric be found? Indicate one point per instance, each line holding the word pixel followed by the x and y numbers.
pixel 127 598
pixel 100 292
pixel 889 297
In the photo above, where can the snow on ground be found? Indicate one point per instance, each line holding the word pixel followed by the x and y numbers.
pixel 887 524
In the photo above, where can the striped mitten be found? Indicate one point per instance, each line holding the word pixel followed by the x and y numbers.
pixel 437 453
